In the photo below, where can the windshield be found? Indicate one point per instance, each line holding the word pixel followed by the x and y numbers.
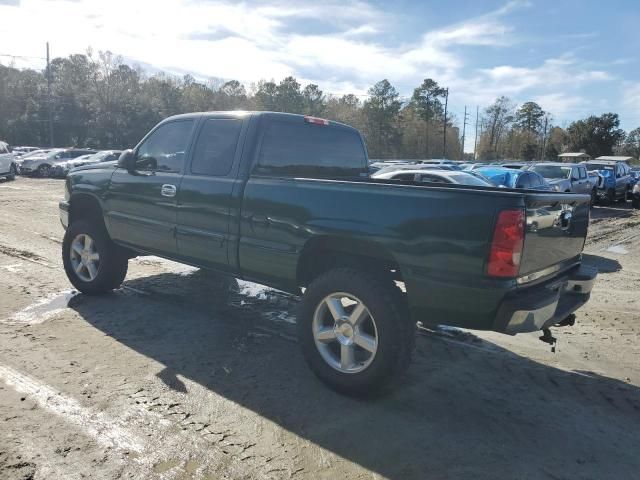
pixel 553 171
pixel 598 166
pixel 98 156
pixel 468 179
pixel 53 154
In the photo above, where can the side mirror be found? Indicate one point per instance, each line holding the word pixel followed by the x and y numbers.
pixel 127 160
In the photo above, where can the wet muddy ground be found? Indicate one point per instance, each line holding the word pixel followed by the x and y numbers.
pixel 180 375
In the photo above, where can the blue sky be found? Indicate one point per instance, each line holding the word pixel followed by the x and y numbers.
pixel 574 57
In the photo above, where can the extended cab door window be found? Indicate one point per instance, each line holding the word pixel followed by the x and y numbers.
pixel 216 147
pixel 164 149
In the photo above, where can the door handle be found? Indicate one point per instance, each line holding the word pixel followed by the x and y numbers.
pixel 168 190
pixel 261 220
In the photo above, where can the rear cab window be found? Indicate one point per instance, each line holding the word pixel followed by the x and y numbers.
pixel 297 147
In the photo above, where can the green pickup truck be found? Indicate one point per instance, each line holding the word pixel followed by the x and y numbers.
pixel 286 201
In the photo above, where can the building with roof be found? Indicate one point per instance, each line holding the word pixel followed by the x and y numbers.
pixel 570 157
pixel 616 158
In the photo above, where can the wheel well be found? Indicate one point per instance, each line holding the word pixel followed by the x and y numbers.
pixel 322 254
pixel 85 207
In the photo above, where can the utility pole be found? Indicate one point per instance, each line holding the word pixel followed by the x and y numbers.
pixel 49 99
pixel 464 129
pixel 475 142
pixel 544 137
pixel 426 132
pixel 444 134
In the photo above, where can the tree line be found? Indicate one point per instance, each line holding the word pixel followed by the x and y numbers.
pixel 102 102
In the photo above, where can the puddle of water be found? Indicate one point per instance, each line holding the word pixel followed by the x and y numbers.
pixel 250 289
pixel 617 249
pixel 279 317
pixel 44 309
pixel 165 466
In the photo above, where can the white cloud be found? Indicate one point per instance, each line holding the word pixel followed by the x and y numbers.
pixel 249 42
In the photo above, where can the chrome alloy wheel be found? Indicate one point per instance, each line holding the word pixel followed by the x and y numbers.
pixel 85 259
pixel 345 333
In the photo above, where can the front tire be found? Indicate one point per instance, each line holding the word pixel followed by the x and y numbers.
pixel 13 171
pixel 44 171
pixel 354 331
pixel 611 197
pixel 92 262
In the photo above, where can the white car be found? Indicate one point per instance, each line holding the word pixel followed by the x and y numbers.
pixel 434 176
pixel 62 169
pixel 8 168
pixel 41 165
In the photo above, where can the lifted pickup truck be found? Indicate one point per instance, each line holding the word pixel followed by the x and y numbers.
pixel 286 201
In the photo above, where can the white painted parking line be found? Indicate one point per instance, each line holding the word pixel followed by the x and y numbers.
pixel 107 431
pixel 43 310
pixel 15 268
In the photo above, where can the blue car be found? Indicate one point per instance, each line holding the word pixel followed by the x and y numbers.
pixel 511 178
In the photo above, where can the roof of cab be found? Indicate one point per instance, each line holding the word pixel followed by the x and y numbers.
pixel 252 113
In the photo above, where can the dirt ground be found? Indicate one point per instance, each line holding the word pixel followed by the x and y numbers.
pixel 168 378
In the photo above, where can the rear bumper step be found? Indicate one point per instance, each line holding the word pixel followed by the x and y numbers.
pixel 540 307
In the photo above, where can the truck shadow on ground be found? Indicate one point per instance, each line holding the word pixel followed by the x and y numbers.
pixel 604 264
pixel 467 409
pixel 617 210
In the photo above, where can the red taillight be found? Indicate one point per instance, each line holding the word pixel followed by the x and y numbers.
pixel 507 243
pixel 316 120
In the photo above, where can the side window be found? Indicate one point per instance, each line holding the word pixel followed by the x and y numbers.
pixel 583 173
pixel 216 147
pixel 433 179
pixel 404 176
pixel 535 179
pixel 2 149
pixel 618 170
pixel 523 181
pixel 164 149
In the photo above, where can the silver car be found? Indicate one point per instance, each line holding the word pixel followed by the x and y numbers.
pixel 566 177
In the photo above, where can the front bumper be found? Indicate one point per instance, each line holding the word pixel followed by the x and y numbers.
pixel 64 214
pixel 542 306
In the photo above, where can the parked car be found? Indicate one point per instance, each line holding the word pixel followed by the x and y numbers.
pixel 286 201
pixel 8 167
pixel 512 178
pixel 21 151
pixel 429 175
pixel 614 180
pixel 419 166
pixel 515 165
pixel 62 169
pixel 41 165
pixel 635 196
pixel 567 177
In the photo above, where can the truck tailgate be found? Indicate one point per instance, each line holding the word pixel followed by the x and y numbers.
pixel 556 229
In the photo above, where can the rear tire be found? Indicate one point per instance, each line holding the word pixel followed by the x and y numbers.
pixel 381 339
pixel 92 262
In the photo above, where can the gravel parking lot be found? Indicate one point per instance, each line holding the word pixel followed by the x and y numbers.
pixel 180 375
